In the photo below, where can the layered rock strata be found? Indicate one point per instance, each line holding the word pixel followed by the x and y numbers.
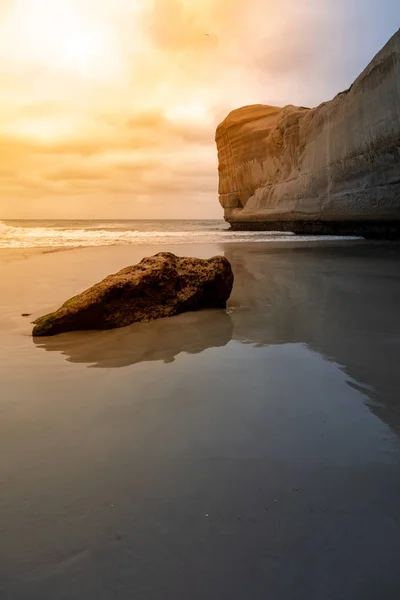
pixel 334 169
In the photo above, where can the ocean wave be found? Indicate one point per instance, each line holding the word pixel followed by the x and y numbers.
pixel 25 236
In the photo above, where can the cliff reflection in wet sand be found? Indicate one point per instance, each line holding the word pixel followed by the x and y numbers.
pixel 341 300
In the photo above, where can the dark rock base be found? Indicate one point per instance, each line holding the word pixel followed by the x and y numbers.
pixel 383 230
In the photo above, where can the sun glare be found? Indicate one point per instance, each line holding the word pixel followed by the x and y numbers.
pixel 56 34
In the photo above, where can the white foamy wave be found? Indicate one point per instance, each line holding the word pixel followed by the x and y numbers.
pixel 43 237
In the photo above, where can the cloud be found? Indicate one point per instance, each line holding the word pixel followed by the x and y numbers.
pixel 76 173
pixel 133 131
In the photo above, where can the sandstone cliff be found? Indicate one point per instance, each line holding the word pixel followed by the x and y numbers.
pixel 330 169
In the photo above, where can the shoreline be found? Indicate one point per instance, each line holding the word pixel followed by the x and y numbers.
pixel 8 255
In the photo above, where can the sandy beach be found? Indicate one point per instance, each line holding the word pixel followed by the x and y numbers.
pixel 247 453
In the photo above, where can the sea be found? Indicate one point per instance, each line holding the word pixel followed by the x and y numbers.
pixel 77 233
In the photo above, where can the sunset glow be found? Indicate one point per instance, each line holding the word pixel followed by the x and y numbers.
pixel 59 35
pixel 55 36
pixel 85 81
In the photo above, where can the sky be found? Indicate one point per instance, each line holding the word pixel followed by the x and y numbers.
pixel 108 108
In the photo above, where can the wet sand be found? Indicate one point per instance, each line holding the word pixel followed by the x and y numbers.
pixel 246 453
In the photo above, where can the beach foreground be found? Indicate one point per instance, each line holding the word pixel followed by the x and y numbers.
pixel 247 453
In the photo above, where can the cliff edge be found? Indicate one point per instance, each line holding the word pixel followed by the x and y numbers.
pixel 334 169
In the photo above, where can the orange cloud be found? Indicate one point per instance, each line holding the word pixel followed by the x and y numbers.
pixel 115 108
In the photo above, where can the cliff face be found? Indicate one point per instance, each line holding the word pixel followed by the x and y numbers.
pixel 330 169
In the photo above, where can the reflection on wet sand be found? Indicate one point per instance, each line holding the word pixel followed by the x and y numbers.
pixel 162 340
pixel 341 300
